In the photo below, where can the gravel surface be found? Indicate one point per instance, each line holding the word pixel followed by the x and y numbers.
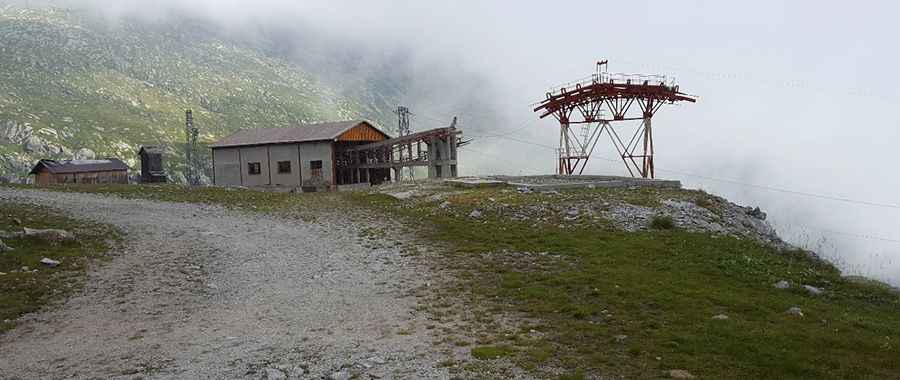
pixel 203 292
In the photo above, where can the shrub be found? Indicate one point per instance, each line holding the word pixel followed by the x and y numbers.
pixel 662 222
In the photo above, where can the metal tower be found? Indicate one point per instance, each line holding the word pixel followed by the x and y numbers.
pixel 403 129
pixel 592 98
pixel 191 150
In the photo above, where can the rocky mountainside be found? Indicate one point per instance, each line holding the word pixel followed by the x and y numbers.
pixel 76 86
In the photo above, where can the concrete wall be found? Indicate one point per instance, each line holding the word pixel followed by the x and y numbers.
pixel 288 152
pixel 227 170
pixel 313 151
pixel 258 154
pixel 231 165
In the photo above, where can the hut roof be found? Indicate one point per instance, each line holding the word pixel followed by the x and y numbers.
pixel 151 149
pixel 79 166
pixel 302 133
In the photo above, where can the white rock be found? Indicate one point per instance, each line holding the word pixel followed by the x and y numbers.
pixel 720 317
pixel 275 374
pixel 679 374
pixel 782 284
pixel 50 234
pixel 795 311
pixel 377 360
pixel 4 247
pixel 50 262
pixel 813 290
pixel 476 214
pixel 340 375
pixel 446 204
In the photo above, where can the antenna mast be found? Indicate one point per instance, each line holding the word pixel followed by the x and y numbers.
pixel 403 129
pixel 192 171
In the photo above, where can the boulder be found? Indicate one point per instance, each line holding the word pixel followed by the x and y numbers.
pixel 275 374
pixel 85 154
pixel 720 317
pixel 446 204
pixel 4 248
pixel 53 235
pixel 782 284
pixel 475 214
pixel 50 262
pixel 795 311
pixel 812 290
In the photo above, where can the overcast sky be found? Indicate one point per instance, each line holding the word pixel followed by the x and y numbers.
pixel 796 96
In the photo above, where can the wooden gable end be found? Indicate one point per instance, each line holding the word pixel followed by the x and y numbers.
pixel 362 132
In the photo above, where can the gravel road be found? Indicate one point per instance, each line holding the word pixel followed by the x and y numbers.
pixel 199 291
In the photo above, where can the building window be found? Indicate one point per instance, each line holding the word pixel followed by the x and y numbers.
pixel 315 168
pixel 254 168
pixel 284 167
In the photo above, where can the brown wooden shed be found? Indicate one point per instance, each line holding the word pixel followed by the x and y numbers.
pixel 108 170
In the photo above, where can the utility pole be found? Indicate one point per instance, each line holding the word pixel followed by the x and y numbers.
pixel 192 171
pixel 403 129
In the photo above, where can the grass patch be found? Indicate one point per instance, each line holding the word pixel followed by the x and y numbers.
pixel 492 352
pixel 662 222
pixel 23 292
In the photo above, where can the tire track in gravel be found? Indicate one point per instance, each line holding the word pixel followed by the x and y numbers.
pixel 199 291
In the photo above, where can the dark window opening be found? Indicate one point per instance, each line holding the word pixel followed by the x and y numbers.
pixel 254 168
pixel 315 168
pixel 284 167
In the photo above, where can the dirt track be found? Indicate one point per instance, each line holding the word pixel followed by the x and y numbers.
pixel 203 292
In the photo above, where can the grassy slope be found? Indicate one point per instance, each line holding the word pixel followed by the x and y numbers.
pixel 23 292
pixel 661 290
pixel 593 284
pixel 114 88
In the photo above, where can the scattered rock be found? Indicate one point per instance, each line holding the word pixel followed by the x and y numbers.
pixel 757 213
pixel 343 374
pixel 720 317
pixel 53 235
pixel 4 248
pixel 50 262
pixel 679 374
pixel 10 235
pixel 377 360
pixel 782 284
pixel 620 338
pixel 813 290
pixel 85 154
pixel 275 374
pixel 796 311
pixel 445 205
pixel 475 214
pixel 524 189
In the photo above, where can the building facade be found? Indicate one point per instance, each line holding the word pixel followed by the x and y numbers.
pixel 52 172
pixel 300 157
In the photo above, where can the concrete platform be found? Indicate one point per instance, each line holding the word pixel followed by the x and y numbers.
pixel 559 182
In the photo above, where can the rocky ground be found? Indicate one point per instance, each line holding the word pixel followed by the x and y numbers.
pixel 198 291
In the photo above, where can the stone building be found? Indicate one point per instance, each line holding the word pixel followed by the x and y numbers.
pixel 301 157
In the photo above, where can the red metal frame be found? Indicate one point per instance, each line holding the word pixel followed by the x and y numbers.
pixel 614 95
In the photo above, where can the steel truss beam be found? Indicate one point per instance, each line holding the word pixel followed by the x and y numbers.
pixel 587 104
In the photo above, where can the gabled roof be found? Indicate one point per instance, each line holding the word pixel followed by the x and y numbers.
pixel 79 166
pixel 152 149
pixel 302 133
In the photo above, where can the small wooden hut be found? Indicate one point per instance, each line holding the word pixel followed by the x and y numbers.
pixel 108 170
pixel 152 165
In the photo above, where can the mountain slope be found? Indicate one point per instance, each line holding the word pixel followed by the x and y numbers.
pixel 73 85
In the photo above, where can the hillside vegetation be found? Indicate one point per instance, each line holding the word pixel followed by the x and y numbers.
pixel 74 85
